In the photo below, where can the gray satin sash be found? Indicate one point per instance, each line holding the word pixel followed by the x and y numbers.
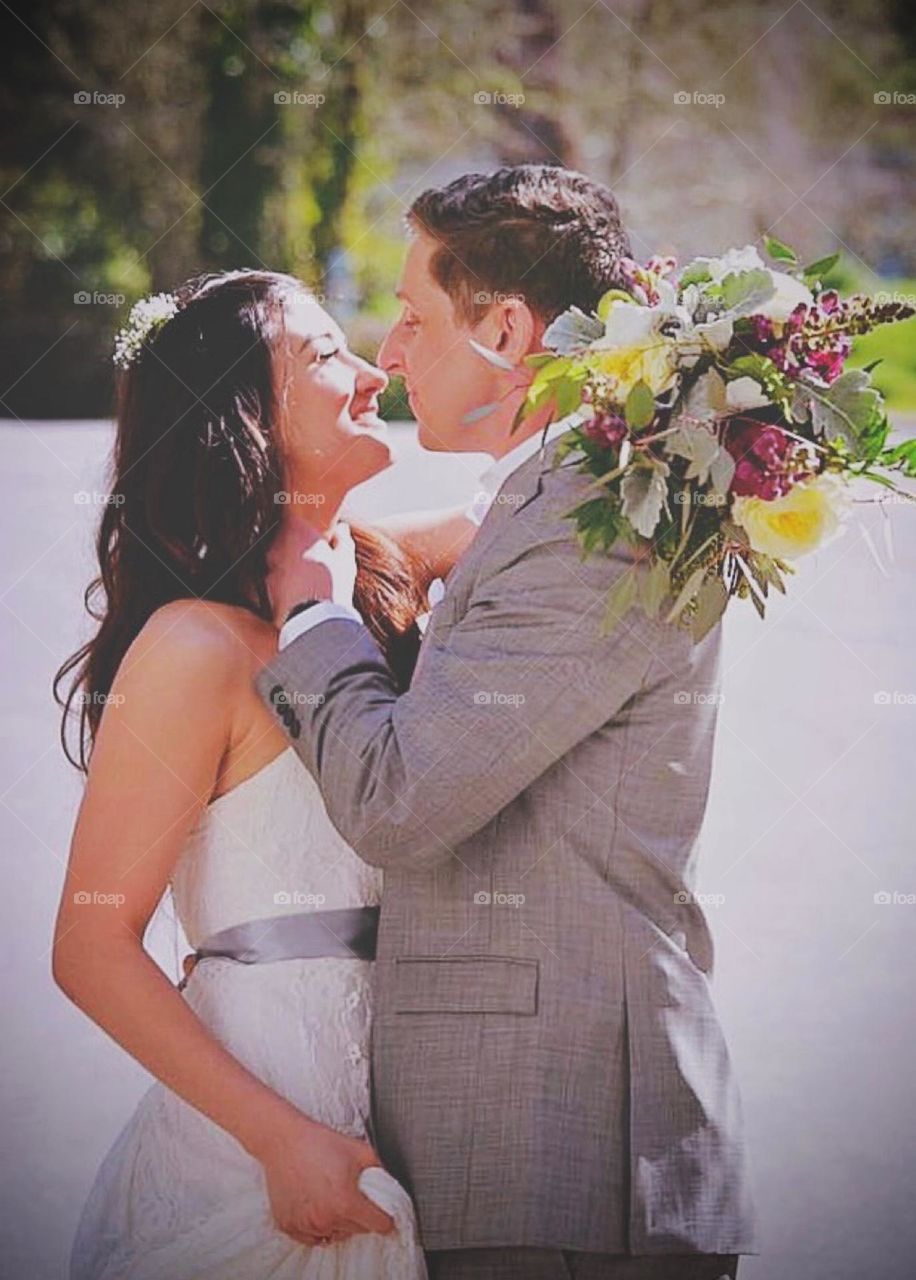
pixel 347 932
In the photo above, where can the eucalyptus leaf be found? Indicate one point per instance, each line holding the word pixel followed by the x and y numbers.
pixel 639 409
pixel 711 601
pixel 687 592
pixel 654 587
pixel 620 600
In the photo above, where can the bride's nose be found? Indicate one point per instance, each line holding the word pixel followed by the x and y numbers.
pixel 370 380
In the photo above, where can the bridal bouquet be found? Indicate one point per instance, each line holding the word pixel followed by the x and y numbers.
pixel 723 434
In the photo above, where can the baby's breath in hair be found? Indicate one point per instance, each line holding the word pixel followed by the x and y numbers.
pixel 146 317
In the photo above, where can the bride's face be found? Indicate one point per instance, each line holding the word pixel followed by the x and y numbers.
pixel 332 436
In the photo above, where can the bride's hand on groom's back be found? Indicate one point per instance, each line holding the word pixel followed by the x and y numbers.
pixel 312 1174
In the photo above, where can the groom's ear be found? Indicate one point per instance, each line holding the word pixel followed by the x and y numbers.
pixel 517 331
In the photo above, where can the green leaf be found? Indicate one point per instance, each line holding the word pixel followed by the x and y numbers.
pixel 822 267
pixel 568 395
pixel 639 409
pixel 780 251
pixel 612 295
pixel 644 491
pixel 901 457
pixel 694 273
pixel 654 587
pixel 620 600
pixel 687 592
pixel 556 367
pixel 850 408
pixel 711 601
pixel 742 292
pixel 572 331
pixel 539 359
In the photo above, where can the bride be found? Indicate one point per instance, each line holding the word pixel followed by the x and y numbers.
pixel 243 423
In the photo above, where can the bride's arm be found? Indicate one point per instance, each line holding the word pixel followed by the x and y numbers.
pixel 155 762
pixel 435 538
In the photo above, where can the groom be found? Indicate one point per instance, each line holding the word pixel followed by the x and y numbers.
pixel 550 1081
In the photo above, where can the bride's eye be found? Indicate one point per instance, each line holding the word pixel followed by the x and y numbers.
pixel 325 353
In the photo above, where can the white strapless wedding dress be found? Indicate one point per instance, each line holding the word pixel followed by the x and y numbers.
pixel 176 1197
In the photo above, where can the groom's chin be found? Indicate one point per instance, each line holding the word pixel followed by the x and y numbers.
pixel 434 441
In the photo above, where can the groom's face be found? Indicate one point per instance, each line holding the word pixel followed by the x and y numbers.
pixel 428 347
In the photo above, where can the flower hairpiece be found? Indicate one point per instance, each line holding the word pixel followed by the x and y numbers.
pixel 146 317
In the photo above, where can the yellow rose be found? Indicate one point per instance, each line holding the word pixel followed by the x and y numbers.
pixel 650 362
pixel 803 519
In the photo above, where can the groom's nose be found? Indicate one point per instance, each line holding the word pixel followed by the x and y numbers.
pixel 389 353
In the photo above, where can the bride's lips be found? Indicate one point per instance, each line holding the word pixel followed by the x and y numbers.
pixel 370 421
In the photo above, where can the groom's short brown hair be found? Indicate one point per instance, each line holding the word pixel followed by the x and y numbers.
pixel 546 233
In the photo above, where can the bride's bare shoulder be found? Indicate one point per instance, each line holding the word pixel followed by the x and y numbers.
pixel 225 637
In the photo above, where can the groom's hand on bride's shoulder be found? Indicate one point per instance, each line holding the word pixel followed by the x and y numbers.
pixel 312 1180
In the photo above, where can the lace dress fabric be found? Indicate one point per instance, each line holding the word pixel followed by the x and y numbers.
pixel 177 1198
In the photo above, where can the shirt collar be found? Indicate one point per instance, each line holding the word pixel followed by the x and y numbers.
pixel 495 476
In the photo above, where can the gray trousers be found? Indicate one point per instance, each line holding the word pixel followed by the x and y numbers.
pixel 557 1264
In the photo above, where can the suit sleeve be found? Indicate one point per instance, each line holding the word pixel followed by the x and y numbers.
pixel 501 696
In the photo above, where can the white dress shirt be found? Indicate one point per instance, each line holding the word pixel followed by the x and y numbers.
pixel 491 481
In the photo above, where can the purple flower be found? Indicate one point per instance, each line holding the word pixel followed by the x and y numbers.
pixel 761 454
pixel 606 428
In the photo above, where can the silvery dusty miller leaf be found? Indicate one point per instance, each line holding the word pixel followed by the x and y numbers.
pixel 572 331
pixel 644 491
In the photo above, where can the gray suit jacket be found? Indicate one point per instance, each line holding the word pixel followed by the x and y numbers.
pixel 548 1067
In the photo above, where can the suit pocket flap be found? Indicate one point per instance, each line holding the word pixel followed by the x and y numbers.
pixel 465 984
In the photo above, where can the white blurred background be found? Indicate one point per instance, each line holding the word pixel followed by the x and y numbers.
pixel 812 813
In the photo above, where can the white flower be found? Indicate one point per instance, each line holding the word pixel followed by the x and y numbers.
pixel 717 333
pixel 146 316
pixel 732 263
pixel 788 293
pixel 744 393
pixel 628 324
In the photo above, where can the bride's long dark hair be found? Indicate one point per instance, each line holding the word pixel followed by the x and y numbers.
pixel 192 509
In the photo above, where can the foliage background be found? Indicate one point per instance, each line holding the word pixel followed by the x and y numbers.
pixel 201 167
